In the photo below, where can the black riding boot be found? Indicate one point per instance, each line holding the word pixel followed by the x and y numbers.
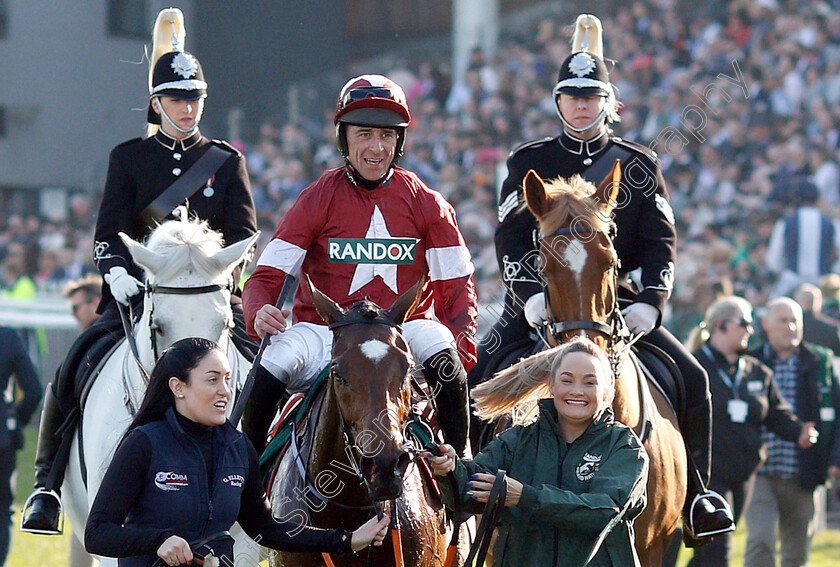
pixel 448 380
pixel 261 407
pixel 45 507
pixel 706 513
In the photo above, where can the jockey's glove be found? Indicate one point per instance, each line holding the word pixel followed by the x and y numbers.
pixel 535 310
pixel 123 285
pixel 640 317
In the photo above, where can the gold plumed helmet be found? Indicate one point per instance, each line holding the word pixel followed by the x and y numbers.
pixel 172 71
pixel 584 72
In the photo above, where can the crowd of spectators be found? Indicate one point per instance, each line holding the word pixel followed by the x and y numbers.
pixel 741 99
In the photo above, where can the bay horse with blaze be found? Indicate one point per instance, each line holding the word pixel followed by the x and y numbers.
pixel 360 462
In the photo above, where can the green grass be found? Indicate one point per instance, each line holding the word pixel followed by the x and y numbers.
pixel 824 551
pixel 28 549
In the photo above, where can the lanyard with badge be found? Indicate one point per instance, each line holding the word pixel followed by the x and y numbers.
pixel 736 407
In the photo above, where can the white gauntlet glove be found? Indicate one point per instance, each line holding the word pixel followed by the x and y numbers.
pixel 640 317
pixel 123 285
pixel 535 310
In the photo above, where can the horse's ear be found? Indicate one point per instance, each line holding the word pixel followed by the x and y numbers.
pixel 329 310
pixel 607 191
pixel 235 254
pixel 150 261
pixel 405 304
pixel 535 196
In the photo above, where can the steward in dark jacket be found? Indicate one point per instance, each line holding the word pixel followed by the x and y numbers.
pixel 161 484
pixel 737 448
pixel 571 492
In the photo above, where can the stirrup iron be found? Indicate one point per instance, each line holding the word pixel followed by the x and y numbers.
pixel 42 492
pixel 712 496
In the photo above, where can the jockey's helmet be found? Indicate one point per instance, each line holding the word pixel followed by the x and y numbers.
pixel 371 100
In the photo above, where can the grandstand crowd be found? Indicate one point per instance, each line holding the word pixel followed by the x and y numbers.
pixel 741 99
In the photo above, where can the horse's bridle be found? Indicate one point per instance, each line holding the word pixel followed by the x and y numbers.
pixel 152 289
pixel 352 449
pixel 612 328
pixel 127 317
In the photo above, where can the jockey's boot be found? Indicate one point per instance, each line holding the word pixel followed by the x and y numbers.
pixel 43 508
pixel 261 407
pixel 448 380
pixel 706 513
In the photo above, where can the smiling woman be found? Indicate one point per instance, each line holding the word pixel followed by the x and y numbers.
pixel 575 477
pixel 183 475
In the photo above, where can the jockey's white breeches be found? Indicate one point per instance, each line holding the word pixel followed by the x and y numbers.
pixel 304 349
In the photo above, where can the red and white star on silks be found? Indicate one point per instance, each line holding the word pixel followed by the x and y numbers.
pixel 365 273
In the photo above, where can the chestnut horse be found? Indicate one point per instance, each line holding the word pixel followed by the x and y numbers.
pixel 359 459
pixel 579 266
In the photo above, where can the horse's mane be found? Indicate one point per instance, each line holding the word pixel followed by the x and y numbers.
pixel 187 241
pixel 516 389
pixel 571 199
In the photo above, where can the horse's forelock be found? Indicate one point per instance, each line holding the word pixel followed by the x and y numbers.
pixel 183 243
pixel 366 309
pixel 571 199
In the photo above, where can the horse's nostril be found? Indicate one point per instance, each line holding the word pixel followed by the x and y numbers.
pixel 402 464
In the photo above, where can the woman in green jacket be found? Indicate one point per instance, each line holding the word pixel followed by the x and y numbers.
pixel 573 474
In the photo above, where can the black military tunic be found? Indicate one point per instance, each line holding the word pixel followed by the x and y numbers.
pixel 140 170
pixel 646 234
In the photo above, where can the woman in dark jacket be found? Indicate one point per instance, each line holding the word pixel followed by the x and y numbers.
pixel 572 474
pixel 183 475
pixel 744 397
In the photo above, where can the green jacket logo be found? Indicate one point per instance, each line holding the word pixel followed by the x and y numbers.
pixel 372 250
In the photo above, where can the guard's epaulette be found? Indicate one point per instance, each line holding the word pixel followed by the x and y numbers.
pixel 226 145
pixel 129 142
pixel 636 147
pixel 531 144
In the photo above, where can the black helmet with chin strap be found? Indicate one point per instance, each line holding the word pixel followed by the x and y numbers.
pixel 173 72
pixel 584 72
pixel 371 100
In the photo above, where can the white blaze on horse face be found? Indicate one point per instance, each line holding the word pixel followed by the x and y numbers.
pixel 374 349
pixel 575 257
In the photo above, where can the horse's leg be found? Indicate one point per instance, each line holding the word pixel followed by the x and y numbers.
pixel 288 559
pixel 246 552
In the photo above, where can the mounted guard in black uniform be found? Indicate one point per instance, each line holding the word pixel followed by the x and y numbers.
pixel 147 179
pixel 646 242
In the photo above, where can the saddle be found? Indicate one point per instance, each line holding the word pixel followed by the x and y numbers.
pixel 664 374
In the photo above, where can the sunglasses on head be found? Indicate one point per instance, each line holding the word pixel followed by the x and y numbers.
pixel 362 93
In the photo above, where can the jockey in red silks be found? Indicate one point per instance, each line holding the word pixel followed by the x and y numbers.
pixel 368 230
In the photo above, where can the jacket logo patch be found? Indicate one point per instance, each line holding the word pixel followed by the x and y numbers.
pixel 590 465
pixel 372 250
pixel 170 481
pixel 236 480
